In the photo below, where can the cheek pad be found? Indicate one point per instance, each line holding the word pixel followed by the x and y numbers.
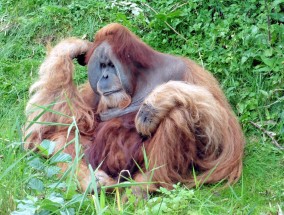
pixel 94 73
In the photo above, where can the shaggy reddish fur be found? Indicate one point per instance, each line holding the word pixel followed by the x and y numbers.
pixel 193 125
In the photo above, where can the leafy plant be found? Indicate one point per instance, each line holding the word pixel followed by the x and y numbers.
pixel 176 201
pixel 48 194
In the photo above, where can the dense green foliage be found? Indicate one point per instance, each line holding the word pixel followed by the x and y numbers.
pixel 240 42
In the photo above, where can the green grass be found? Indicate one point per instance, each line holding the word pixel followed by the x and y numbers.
pixel 240 42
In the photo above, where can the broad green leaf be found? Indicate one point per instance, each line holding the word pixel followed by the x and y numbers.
pixel 58 185
pixel 278 16
pixel 23 212
pixel 68 211
pixel 56 197
pixel 36 163
pixel 76 198
pixel 173 14
pixel 50 205
pixel 61 158
pixel 26 206
pixel 52 170
pixel 161 16
pixel 36 184
pixel 268 52
pixel 44 212
pixel 268 61
pixel 47 147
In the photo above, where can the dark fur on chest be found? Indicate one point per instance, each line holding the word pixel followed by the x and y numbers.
pixel 116 146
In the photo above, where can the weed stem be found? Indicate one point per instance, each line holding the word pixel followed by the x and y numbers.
pixel 268 134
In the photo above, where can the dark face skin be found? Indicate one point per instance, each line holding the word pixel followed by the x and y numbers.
pixel 103 74
pixel 108 76
pixel 109 82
